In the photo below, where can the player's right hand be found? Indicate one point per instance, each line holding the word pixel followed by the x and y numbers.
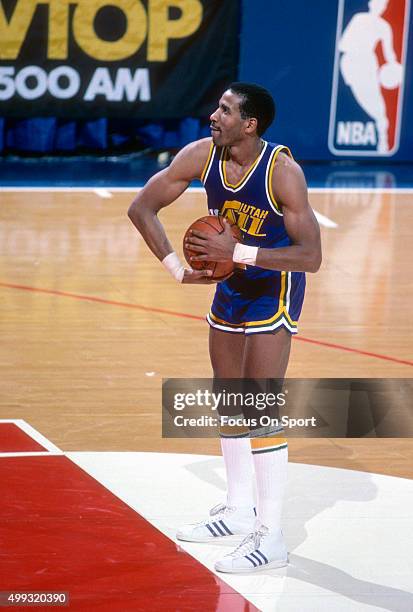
pixel 197 277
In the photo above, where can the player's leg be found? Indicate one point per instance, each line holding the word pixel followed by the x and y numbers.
pixel 237 515
pixel 265 357
pixel 226 352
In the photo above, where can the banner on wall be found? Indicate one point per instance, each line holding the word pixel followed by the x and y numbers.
pixel 369 77
pixel 119 58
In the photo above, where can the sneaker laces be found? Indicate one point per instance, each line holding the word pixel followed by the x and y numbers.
pixel 216 513
pixel 250 543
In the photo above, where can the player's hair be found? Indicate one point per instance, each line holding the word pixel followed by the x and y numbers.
pixel 256 102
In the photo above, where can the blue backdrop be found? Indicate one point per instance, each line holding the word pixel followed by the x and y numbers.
pixel 289 48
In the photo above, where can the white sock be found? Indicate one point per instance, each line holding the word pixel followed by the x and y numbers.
pixel 240 472
pixel 271 478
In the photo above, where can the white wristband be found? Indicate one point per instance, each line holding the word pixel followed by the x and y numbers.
pixel 174 266
pixel 245 254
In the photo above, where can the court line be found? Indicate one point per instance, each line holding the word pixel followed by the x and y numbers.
pixel 35 435
pixel 49 449
pixel 103 193
pixel 107 193
pixel 341 347
pixel 31 454
pixel 184 315
pixel 325 221
pixel 91 298
pixel 59 492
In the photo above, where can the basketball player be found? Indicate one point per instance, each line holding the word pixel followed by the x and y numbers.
pixel 255 312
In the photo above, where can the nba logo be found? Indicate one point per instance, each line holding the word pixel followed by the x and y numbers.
pixel 368 81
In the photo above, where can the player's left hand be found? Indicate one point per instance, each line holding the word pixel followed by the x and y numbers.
pixel 212 247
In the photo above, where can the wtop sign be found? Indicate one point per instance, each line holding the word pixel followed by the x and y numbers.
pixel 368 82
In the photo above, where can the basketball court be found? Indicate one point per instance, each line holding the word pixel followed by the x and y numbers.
pixel 93 494
pixel 95 98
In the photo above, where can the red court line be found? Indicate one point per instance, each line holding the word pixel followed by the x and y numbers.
pixel 353 350
pixel 184 315
pixel 61 530
pixel 90 298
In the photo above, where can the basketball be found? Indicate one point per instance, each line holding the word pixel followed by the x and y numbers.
pixel 209 225
pixel 391 75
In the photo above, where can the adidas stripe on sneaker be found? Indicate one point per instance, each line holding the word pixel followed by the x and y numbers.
pixel 223 521
pixel 258 551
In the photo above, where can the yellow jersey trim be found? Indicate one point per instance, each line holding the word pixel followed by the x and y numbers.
pixel 246 175
pixel 278 315
pixel 289 319
pixel 281 306
pixel 271 442
pixel 281 312
pixel 218 320
pixel 281 302
pixel 274 159
pixel 208 162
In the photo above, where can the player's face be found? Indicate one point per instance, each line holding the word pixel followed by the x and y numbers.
pixel 227 125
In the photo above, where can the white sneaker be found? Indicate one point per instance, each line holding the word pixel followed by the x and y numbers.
pixel 223 521
pixel 258 551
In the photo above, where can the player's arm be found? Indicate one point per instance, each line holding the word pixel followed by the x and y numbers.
pixel 160 191
pixel 290 190
pixel 303 255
